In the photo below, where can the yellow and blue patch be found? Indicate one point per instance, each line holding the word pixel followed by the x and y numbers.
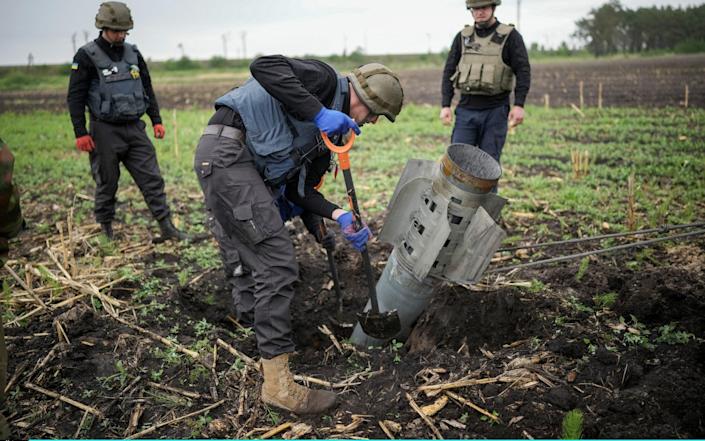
pixel 74 66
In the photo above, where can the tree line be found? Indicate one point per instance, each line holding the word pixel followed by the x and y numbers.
pixel 612 28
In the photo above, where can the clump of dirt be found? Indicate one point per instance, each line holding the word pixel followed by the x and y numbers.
pixel 457 317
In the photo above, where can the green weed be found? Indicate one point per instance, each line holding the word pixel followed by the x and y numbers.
pixel 605 300
pixel 669 335
pixel 395 347
pixel 572 427
pixel 203 328
pixel 198 426
pixel 582 269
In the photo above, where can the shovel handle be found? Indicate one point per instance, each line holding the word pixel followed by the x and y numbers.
pixel 341 150
pixel 344 159
pixel 338 148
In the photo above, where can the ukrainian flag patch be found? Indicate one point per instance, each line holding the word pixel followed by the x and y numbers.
pixel 74 66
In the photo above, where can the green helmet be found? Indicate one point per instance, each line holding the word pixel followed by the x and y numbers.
pixel 114 15
pixel 481 3
pixel 379 88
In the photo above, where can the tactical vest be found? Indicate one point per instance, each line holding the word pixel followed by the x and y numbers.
pixel 281 144
pixel 118 94
pixel 481 70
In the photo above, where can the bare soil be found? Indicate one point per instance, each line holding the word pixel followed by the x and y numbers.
pixel 657 81
pixel 543 350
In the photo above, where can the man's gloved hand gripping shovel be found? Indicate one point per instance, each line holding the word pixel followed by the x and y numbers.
pixel 375 323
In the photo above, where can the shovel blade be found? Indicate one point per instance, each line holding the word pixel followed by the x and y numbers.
pixel 380 325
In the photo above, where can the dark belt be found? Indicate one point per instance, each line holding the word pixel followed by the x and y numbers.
pixel 225 132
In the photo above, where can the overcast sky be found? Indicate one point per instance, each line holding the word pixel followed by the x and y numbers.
pixel 291 27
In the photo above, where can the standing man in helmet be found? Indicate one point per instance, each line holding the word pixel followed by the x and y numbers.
pixel 486 61
pixel 110 77
pixel 264 140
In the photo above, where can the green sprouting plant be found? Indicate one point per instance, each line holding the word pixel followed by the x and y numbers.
pixel 128 273
pixel 156 376
pixel 170 355
pixel 168 400
pixel 205 256
pixel 96 303
pixel 491 421
pixel 243 332
pixel 577 306
pixel 199 425
pixel 183 276
pixel 536 286
pixel 174 330
pixel 238 364
pixel 106 246
pixel 396 346
pixel 198 372
pixel 637 334
pixel 605 300
pixel 273 416
pixel 150 287
pixel 572 427
pixel 669 335
pixel 203 328
pixel 582 269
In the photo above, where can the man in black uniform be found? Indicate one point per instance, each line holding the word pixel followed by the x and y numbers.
pixel 264 141
pixel 484 63
pixel 111 78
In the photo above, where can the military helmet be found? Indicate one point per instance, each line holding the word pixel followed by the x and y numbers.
pixel 379 88
pixel 114 15
pixel 481 3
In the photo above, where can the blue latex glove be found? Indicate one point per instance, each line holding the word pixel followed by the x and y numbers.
pixel 358 239
pixel 333 122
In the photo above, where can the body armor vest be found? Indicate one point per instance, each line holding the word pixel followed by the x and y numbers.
pixel 481 70
pixel 118 94
pixel 280 143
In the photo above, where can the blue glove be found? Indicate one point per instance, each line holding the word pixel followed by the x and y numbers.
pixel 358 239
pixel 333 122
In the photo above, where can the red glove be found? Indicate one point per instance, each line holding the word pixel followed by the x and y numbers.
pixel 85 143
pixel 159 131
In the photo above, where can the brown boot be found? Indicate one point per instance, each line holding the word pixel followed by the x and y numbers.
pixel 280 390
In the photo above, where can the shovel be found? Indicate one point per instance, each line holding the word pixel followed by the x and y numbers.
pixel 333 272
pixel 382 325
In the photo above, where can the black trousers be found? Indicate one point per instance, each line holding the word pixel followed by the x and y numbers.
pixel 127 143
pixel 244 207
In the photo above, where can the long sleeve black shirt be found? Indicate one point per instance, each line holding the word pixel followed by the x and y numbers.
pixel 514 55
pixel 84 71
pixel 303 87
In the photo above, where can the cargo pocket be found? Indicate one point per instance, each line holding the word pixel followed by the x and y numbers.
pixel 461 76
pixel 487 80
pixel 124 106
pixel 140 102
pixel 105 109
pixel 257 222
pixel 204 169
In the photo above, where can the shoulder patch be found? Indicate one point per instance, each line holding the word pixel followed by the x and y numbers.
pixel 74 66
